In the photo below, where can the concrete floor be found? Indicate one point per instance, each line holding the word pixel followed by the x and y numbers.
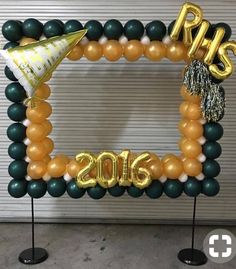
pixel 89 246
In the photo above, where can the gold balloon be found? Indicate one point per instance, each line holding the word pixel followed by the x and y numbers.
pixel 56 167
pixel 155 168
pixel 211 45
pixel 73 168
pixel 47 159
pixel 36 151
pixel 36 132
pixel 188 97
pixel 47 127
pixel 76 53
pixel 200 54
pixel 224 58
pixel 193 129
pixel 186 24
pixel 182 141
pixel 112 50
pixel 183 108
pixel 133 50
pixel 193 112
pixel 124 160
pixel 93 51
pixel 176 51
pixel 83 179
pixel 48 144
pixel 168 157
pixel 173 168
pixel 43 91
pixel 191 148
pixel 101 179
pixel 140 176
pixel 36 169
pixel 39 113
pixel 26 41
pixel 155 51
pixel 192 167
pixel 153 157
pixel 182 125
pixel 63 158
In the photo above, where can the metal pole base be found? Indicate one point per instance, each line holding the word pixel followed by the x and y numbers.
pixel 193 257
pixel 33 256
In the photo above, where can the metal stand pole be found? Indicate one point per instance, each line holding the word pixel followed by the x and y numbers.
pixel 192 256
pixel 33 255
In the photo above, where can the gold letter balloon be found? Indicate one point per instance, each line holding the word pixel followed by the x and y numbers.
pixel 212 46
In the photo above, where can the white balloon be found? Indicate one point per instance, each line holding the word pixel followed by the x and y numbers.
pixel 201 140
pixel 26 141
pixel 67 177
pixel 123 40
pixel 26 122
pixel 200 176
pixel 202 121
pixel 145 40
pixel 28 178
pixel 163 178
pixel 102 40
pixel 46 177
pixel 167 40
pixel 183 177
pixel 84 41
pixel 201 158
pixel 27 159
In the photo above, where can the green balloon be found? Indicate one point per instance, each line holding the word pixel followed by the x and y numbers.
pixel 18 169
pixel 210 187
pixel 113 29
pixel 32 28
pixel 96 192
pixel 95 29
pixel 9 74
pixel 133 29
pixel 74 191
pixel 134 191
pixel 154 190
pixel 211 168
pixel 37 188
pixel 56 187
pixel 17 188
pixel 170 27
pixel 15 92
pixel 17 151
pixel 173 188
pixel 10 45
pixel 116 190
pixel 212 150
pixel 52 28
pixel 72 26
pixel 213 131
pixel 192 187
pixel 60 22
pixel 156 30
pixel 16 132
pixel 12 30
pixel 16 112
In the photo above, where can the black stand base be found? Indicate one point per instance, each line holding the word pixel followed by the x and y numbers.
pixel 192 256
pixel 33 255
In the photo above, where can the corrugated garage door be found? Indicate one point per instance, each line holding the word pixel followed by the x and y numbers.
pixel 101 106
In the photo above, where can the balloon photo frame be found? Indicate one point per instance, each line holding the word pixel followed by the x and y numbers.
pixel 34 51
